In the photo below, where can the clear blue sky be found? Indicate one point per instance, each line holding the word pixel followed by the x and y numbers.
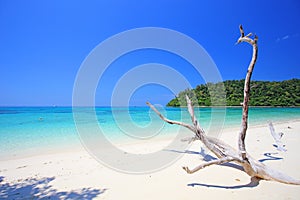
pixel 43 43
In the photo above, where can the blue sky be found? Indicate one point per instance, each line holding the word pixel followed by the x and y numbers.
pixel 43 43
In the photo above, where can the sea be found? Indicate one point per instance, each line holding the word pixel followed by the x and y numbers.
pixel 26 131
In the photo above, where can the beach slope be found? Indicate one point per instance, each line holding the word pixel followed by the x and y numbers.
pixel 74 174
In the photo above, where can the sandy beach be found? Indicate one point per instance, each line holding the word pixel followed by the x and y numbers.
pixel 74 174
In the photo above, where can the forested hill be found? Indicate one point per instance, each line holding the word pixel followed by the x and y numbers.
pixel 263 93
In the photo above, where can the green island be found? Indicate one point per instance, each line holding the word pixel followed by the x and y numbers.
pixel 230 93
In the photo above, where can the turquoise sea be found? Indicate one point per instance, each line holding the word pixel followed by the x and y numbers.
pixel 30 130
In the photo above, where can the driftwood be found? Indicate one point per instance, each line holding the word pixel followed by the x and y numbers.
pixel 277 137
pixel 223 151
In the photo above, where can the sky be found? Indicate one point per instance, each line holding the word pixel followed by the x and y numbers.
pixel 43 45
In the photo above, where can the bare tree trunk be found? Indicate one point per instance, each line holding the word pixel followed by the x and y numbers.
pixel 223 151
pixel 244 126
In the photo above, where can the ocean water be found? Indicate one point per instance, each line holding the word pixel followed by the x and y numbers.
pixel 29 130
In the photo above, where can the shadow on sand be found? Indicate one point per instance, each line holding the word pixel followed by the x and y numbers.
pixel 33 188
pixel 206 157
pixel 270 157
pixel 253 183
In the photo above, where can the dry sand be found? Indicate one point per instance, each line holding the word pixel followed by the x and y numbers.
pixel 76 175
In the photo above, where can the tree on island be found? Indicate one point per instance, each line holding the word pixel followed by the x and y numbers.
pixel 263 93
pixel 223 151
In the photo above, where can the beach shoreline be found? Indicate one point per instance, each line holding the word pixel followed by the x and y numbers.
pixel 77 173
pixel 122 142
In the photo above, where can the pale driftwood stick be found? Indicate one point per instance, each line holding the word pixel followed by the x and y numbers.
pixel 213 162
pixel 170 121
pixel 242 134
pixel 225 152
pixel 277 137
pixel 199 131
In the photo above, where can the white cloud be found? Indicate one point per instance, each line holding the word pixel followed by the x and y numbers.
pixel 286 37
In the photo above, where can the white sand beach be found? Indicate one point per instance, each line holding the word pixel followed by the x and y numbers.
pixel 74 174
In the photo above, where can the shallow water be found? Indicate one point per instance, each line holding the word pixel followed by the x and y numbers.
pixel 28 130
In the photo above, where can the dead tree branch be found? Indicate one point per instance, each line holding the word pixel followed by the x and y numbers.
pixel 168 120
pixel 242 134
pixel 277 137
pixel 223 151
pixel 213 162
